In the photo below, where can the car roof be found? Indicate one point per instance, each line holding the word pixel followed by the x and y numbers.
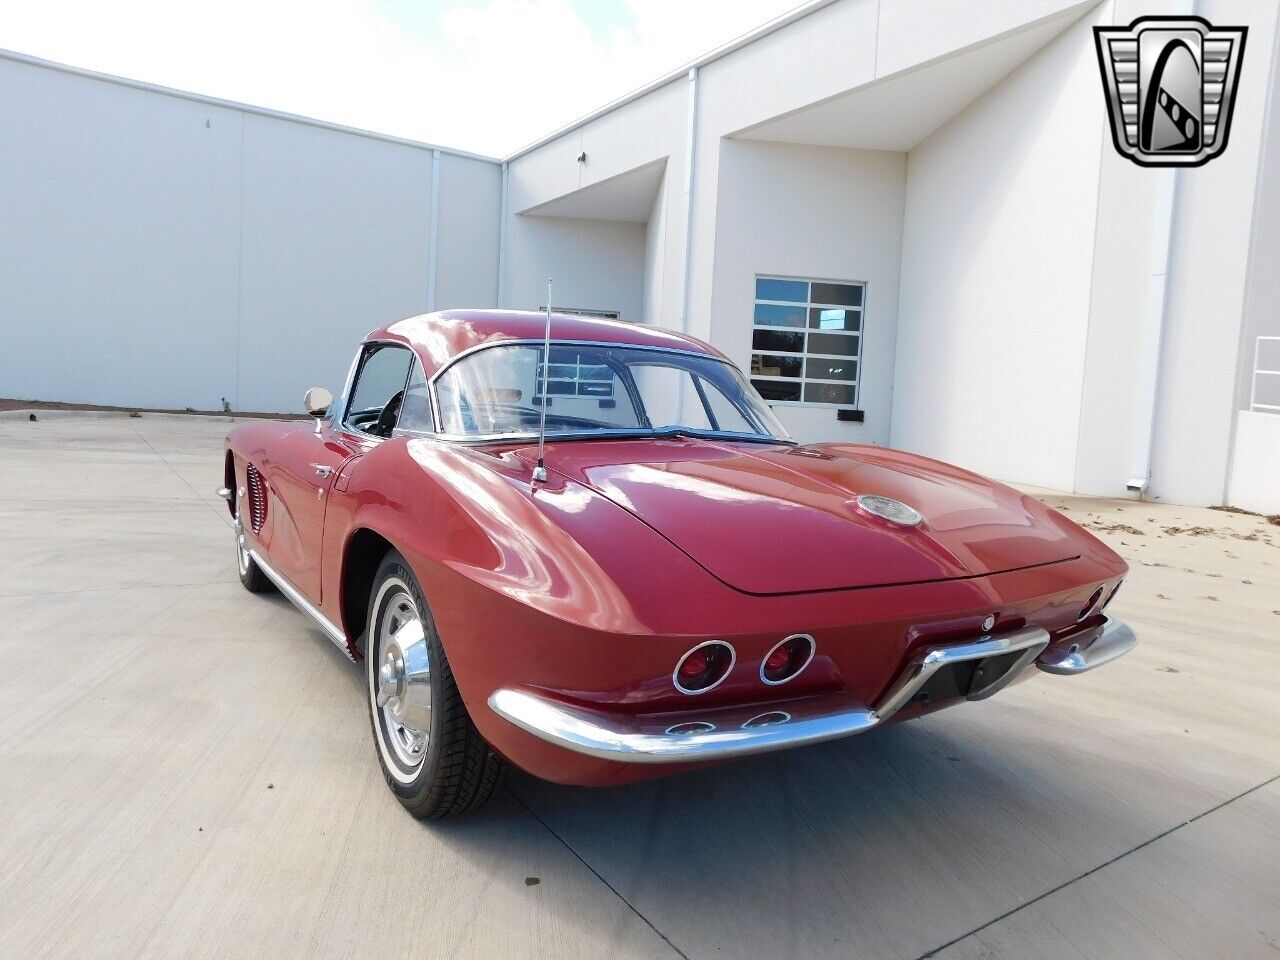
pixel 439 337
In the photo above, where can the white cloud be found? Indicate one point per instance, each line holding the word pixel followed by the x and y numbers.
pixel 490 77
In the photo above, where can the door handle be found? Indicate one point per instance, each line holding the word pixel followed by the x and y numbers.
pixel 322 470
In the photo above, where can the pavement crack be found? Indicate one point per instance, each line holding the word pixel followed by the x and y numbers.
pixel 1092 870
pixel 596 873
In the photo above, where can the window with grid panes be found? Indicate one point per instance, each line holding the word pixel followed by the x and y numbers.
pixel 806 341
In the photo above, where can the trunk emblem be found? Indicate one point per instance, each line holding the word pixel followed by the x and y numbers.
pixel 889 509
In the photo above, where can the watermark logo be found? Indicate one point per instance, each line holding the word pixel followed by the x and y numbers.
pixel 1170 84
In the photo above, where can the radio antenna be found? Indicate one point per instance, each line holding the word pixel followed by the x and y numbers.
pixel 540 471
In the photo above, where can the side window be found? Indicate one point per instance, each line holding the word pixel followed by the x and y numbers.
pixel 379 386
pixel 415 408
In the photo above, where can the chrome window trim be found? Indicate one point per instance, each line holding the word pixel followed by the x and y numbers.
pixel 633 433
pixel 639 432
pixel 348 392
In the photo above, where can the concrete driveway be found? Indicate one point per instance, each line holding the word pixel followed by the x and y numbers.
pixel 186 770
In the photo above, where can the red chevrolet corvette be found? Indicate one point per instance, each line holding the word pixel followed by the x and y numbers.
pixel 675 581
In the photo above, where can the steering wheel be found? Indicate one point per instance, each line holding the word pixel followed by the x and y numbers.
pixel 386 421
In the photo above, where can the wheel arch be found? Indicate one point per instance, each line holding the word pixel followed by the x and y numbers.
pixel 361 557
pixel 229 480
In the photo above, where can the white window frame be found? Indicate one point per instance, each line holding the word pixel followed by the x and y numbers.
pixel 805 354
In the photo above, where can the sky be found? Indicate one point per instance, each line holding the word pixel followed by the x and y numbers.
pixel 488 76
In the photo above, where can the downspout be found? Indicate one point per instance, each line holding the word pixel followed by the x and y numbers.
pixel 502 236
pixel 691 143
pixel 433 236
pixel 1151 333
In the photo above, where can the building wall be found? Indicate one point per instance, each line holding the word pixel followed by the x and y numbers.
pixel 1196 403
pixel 997 253
pixel 160 250
pixel 470 215
pixel 232 253
pixel 819 212
pixel 655 258
pixel 595 264
pixel 118 253
pixel 1252 481
pixel 334 237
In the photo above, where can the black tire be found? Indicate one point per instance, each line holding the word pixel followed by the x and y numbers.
pixel 251 576
pixel 455 770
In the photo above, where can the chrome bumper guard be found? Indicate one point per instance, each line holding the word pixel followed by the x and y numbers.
pixel 1102 644
pixel 719 734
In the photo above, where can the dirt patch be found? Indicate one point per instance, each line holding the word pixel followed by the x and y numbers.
pixel 1273 519
pixel 1115 528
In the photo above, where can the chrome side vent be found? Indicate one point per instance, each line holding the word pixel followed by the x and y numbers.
pixel 257 491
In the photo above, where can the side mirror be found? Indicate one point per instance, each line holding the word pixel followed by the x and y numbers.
pixel 317 401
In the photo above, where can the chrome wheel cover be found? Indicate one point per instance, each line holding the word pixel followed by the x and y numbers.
pixel 400 679
pixel 242 549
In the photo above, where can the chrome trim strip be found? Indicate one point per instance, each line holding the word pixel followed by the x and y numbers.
pixel 1115 639
pixel 302 603
pixel 629 739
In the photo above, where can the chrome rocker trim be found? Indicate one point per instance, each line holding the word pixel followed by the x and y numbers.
pixel 331 630
pixel 736 732
pixel 1114 638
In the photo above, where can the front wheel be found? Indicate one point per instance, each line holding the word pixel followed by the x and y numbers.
pixel 432 757
pixel 251 576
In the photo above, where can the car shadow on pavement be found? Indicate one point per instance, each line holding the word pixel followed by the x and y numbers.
pixel 885 845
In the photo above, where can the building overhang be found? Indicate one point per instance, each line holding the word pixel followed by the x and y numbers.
pixel 898 111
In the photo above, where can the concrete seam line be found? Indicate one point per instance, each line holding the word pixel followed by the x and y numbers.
pixel 175 472
pixel 649 923
pixel 1092 870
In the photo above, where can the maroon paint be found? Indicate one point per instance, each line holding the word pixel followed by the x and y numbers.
pixel 590 587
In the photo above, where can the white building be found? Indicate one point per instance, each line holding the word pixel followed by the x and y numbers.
pixel 1026 301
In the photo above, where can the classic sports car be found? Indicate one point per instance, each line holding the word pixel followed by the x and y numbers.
pixel 673 581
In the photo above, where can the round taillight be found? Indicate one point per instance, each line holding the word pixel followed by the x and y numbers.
pixel 694 665
pixel 787 659
pixel 1090 604
pixel 703 667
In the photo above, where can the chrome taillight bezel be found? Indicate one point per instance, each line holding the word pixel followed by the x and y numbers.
pixel 813 650
pixel 687 691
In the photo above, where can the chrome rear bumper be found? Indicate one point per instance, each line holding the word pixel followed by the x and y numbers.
pixel 1113 638
pixel 719 734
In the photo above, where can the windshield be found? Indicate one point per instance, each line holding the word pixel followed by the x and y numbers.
pixel 597 389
